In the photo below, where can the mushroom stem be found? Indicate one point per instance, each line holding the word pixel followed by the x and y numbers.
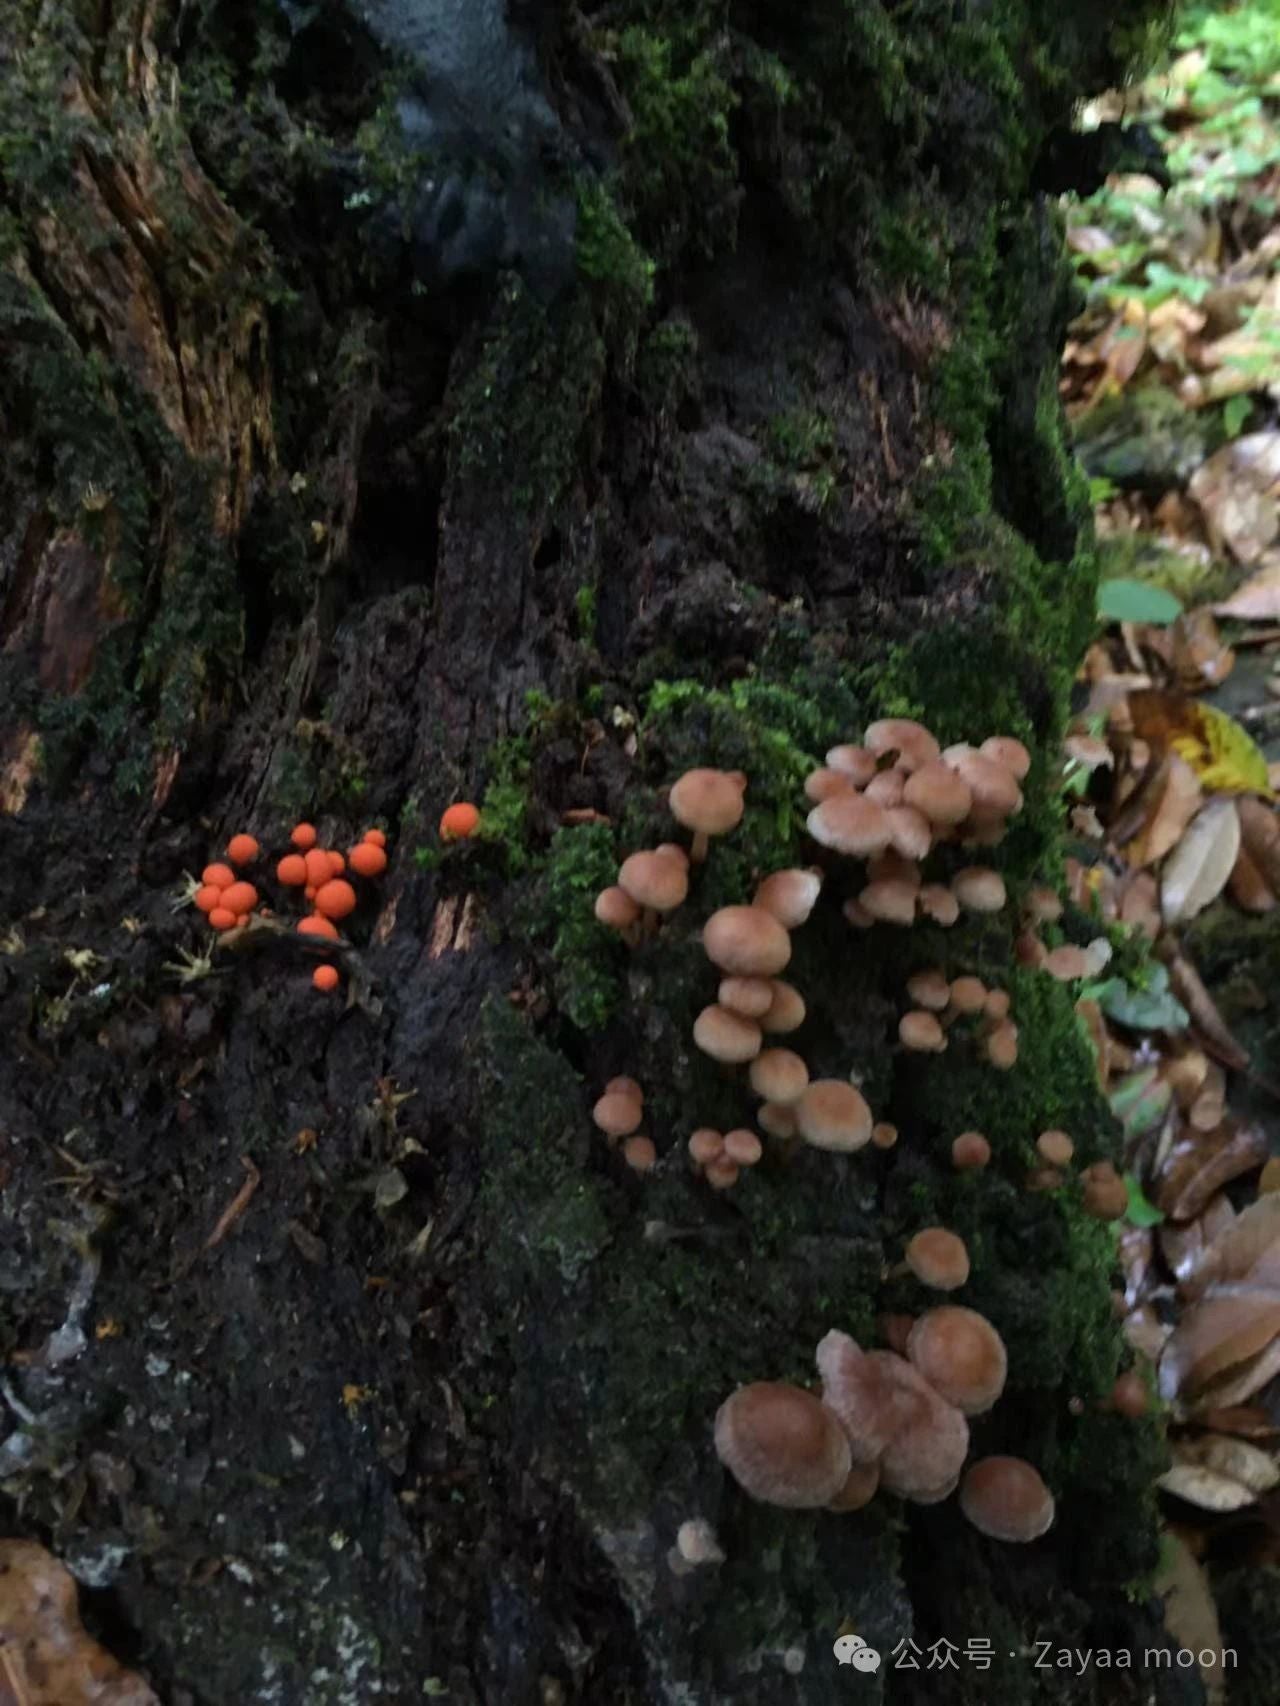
pixel 648 922
pixel 698 851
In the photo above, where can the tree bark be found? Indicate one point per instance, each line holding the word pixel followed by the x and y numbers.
pixel 429 404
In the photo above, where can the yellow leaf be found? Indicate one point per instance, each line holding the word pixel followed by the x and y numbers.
pixel 1221 753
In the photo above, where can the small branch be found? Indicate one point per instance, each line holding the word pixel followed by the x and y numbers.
pixel 236 1207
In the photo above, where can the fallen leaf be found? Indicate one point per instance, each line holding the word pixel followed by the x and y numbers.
pixel 46 1656
pixel 1247 886
pixel 1211 1027
pixel 1258 600
pixel 1260 837
pixel 1215 1335
pixel 1198 654
pixel 1234 489
pixel 1190 1614
pixel 1196 871
pixel 1185 1245
pixel 1168 802
pixel 1220 1473
pixel 1246 1249
pixel 1246 1421
pixel 1240 1384
pixel 1200 1163
pixel 1223 755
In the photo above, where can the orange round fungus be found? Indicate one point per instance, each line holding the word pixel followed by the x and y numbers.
pixel 325 977
pixel 459 821
pixel 377 836
pixel 314 925
pixel 218 876
pixel 240 897
pixel 303 836
pixel 222 919
pixel 242 849
pixel 317 863
pixel 336 899
pixel 337 864
pixel 208 897
pixel 367 859
pixel 292 870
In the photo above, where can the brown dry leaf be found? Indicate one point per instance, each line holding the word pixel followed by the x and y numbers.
pixel 1200 1163
pixel 48 1658
pixel 1145 1333
pixel 1247 886
pixel 1245 1421
pixel 1167 803
pixel 1138 898
pixel 1223 754
pixel 1186 1072
pixel 1210 1026
pixel 1215 1335
pixel 1260 837
pixel 1196 871
pixel 1136 1255
pixel 1199 657
pixel 1258 600
pixel 1269 1178
pixel 1238 1386
pixel 1219 1472
pixel 1235 490
pixel 1248 1249
pixel 1190 1614
pixel 1185 1247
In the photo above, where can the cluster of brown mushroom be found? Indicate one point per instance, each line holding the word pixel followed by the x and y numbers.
pixel 654 882
pixel 886 1420
pixel 719 1157
pixel 618 1114
pixel 939 1002
pixel 1105 1194
pixel 894 798
pixel 1066 963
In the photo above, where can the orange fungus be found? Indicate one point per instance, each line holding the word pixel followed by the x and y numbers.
pixel 367 859
pixel 325 977
pixel 208 897
pixel 218 876
pixel 292 870
pixel 318 868
pixel 303 836
pixel 314 925
pixel 240 897
pixel 377 836
pixel 337 864
pixel 242 849
pixel 336 899
pixel 223 919
pixel 458 822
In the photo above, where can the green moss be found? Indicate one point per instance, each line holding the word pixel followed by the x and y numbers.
pixel 559 908
pixel 584 604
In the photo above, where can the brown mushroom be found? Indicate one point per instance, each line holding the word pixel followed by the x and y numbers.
pixel 617 911
pixel 938 904
pixel 894 1418
pixel 1106 1196
pixel 831 1114
pixel 890 901
pixel 749 996
pixel 1004 749
pixel 1055 1147
pixel 709 802
pixel 789 895
pixel 850 823
pixel 656 882
pixel 786 1011
pixel 929 989
pixel 746 941
pixel 911 741
pixel 855 762
pixel 979 889
pixel 938 793
pixel 779 1075
pixel 961 1355
pixel 726 1036
pixel 1005 1498
pixel 920 1031
pixel 617 1113
pixel 782 1445
pixel 938 1258
pixel 970 1151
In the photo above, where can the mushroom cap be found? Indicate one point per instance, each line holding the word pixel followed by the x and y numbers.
pixel 887 787
pixel 654 880
pixel 961 1355
pixel 892 865
pixel 894 1417
pixel 939 904
pixel 1004 749
pixel 749 996
pixel 979 889
pixel 884 1135
pixel 292 871
pixel 858 763
pixel 779 1075
pixel 939 793
pixel 921 1031
pixel 316 859
pixel 850 823
pixel 623 1086
pixel 968 994
pixel 696 1542
pixel 911 741
pixel 1005 1498
pixel 1056 1147
pixel 377 836
pixel 208 898
pixel 789 895
pixel 459 821
pixel 1043 905
pixel 222 918
pixel 782 1445
pixel 1068 963
pixel 777 1118
pixel 721 1172
pixel 367 859
pixel 315 924
pixel 831 1114
pixel 746 941
pixel 970 1151
pixel 859 1489
pixel 1106 1196
pixel 242 849
pixel 929 989
pixel 786 1012
pixel 743 1147
pixel 325 977
pixel 726 1036
pixel 240 897
pixel 890 901
pixel 705 1145
pixel 1002 1045
pixel 617 1113
pixel 938 1258
pixel 821 784
pixel 639 1154
pixel 303 836
pixel 709 802
pixel 997 1004
pixel 336 898
pixel 911 835
pixel 615 907
pixel 993 786
pixel 217 876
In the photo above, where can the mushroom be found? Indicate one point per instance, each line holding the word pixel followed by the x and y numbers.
pixel 994 788
pixel 1106 1196
pixel 1005 1498
pixel 911 741
pixel 779 1075
pixel 222 918
pixel 303 836
pixel 921 1031
pixel 316 860
pixel 968 995
pixel 696 1543
pixel 850 823
pixel 209 899
pixel 1042 906
pixel 705 1145
pixel 789 895
pixel 749 996
pixel 1002 1045
pixel 938 904
pixel 909 834
pixel 639 1154
pixel 1068 963
pixel 979 889
pixel 618 1113
pixel 624 1087
pixel 721 1173
pixel 997 1004
pixel 335 899
pixel 742 1147
pixel 938 794
pixel 938 1258
pixel 820 785
pixel 961 1355
pixel 617 911
pixel 887 787
pixel 709 802
pixel 242 850
pixel 458 822
pixel 367 859
pixel 316 924
pixel 656 882
pixel 325 978
pixel 786 1011
pixel 782 1445
pixel 217 876
pixel 970 1151
pixel 859 1490
pixel 857 914
pixel 855 762
pixel 884 1135
pixel 929 989
pixel 1011 753
pixel 726 1036
pixel 376 837
pixel 777 1118
pixel 292 871
pixel 893 1418
pixel 890 901
pixel 746 941
pixel 831 1114
pixel 1056 1147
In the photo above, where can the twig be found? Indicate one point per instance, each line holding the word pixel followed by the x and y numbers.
pixel 236 1207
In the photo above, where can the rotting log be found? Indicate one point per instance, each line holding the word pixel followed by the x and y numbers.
pixel 523 409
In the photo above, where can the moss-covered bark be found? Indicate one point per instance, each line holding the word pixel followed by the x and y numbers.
pixel 319 499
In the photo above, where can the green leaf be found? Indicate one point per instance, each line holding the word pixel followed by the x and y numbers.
pixel 1235 412
pixel 1141 1009
pixel 1140 1212
pixel 1141 1101
pixel 1134 601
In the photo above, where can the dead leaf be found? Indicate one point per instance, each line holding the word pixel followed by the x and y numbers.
pixel 1258 600
pixel 1234 489
pixel 1247 1248
pixel 1185 1246
pixel 1245 1421
pixel 1247 886
pixel 1223 755
pixel 1211 1027
pixel 1202 1162
pixel 1221 1331
pixel 1190 1613
pixel 1219 1472
pixel 1196 871
pixel 47 1657
pixel 1199 657
pixel 1240 1384
pixel 1260 836
pixel 1168 802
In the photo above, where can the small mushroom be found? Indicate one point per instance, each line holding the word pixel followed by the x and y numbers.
pixel 961 1355
pixel 929 989
pixel 1004 1497
pixel 893 1418
pixel 939 794
pixel 970 1151
pixel 850 823
pixel 709 802
pixel 786 1011
pixel 750 996
pixel 746 941
pixel 890 901
pixel 1002 1046
pixel 656 882
pixel 1068 963
pixel 884 1135
pixel 639 1153
pixel 911 741
pixel 858 763
pixel 705 1146
pixel 789 895
pixel 920 1030
pixel 968 995
pixel 820 785
pixel 938 904
pixel 459 822
pixel 618 911
pixel 782 1445
pixel 831 1114
pixel 778 1119
pixel 887 787
pixel 1055 1147
pixel 1105 1195
pixel 1011 753
pixel 743 1147
pixel 726 1036
pixel 779 1075
pixel 938 1258
pixel 979 889
pixel 617 1113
